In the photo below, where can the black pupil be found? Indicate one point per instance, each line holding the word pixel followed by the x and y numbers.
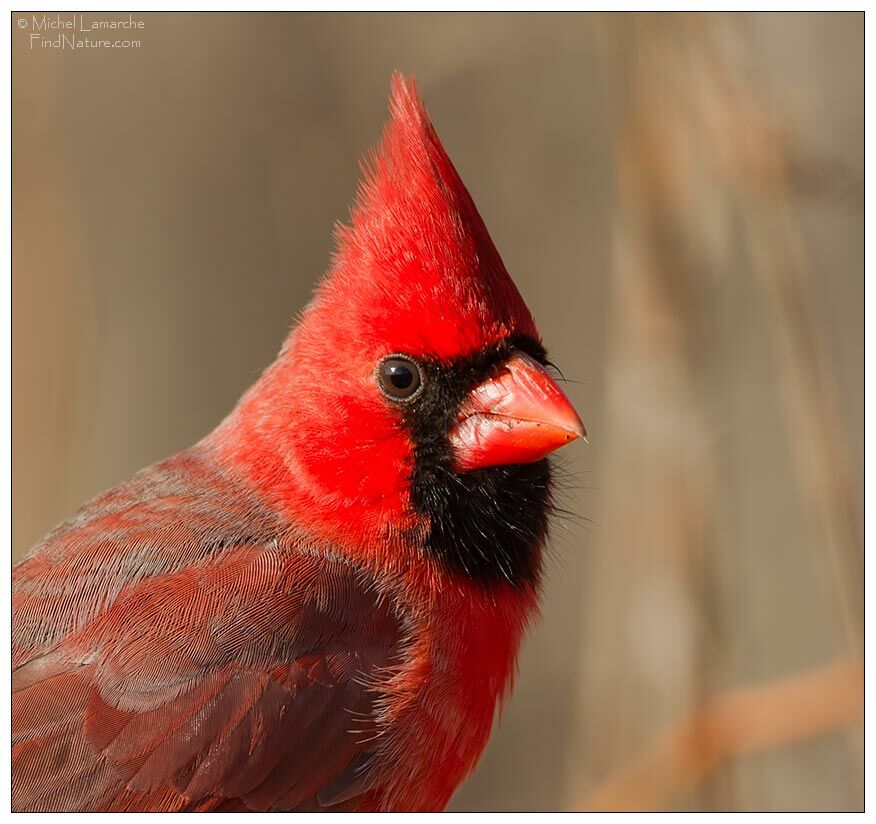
pixel 400 376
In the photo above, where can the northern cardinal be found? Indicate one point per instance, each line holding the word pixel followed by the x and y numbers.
pixel 320 604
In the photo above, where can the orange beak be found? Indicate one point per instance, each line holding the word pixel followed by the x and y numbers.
pixel 517 416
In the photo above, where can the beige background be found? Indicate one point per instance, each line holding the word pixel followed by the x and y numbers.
pixel 680 201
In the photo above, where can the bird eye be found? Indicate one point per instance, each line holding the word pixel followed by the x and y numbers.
pixel 399 378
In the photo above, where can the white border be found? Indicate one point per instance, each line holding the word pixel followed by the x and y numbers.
pixel 5 90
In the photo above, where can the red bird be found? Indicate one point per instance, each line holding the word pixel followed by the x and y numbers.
pixel 320 604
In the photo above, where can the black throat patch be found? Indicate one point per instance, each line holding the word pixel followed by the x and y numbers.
pixel 486 524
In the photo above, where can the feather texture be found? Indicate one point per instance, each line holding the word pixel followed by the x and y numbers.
pixel 308 609
pixel 245 677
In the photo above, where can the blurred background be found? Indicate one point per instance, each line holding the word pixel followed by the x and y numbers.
pixel 680 200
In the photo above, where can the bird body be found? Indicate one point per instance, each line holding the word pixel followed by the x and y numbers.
pixel 318 606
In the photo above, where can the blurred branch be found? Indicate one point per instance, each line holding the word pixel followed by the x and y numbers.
pixel 738 722
pixel 652 595
pixel 704 167
pixel 753 163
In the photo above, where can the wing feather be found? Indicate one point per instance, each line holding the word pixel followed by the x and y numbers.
pixel 241 680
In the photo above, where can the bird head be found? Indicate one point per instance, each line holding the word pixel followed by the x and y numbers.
pixel 412 399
